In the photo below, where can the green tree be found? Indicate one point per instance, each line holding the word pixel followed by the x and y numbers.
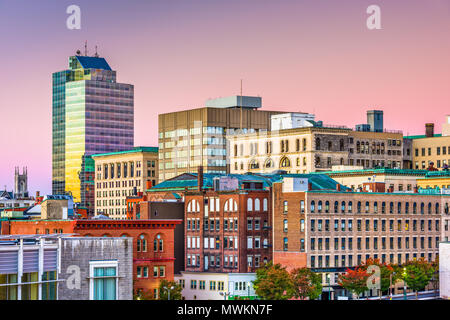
pixel 354 280
pixel 141 294
pixel 175 293
pixel 273 282
pixel 386 272
pixel 417 274
pixel 306 283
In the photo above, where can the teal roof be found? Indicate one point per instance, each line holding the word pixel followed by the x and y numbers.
pixel 422 136
pixel 189 180
pixel 409 172
pixel 135 149
pixel 438 174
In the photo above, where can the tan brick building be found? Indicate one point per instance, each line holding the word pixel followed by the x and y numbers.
pixel 431 147
pixel 313 149
pixel 330 230
pixel 122 174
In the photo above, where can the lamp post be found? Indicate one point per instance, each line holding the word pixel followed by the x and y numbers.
pixel 168 291
pixel 404 284
pixel 390 285
pixel 224 294
pixel 329 286
pixel 248 289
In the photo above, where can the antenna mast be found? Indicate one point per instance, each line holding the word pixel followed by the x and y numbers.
pixel 85 48
pixel 241 105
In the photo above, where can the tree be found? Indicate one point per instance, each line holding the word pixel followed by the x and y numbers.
pixel 435 279
pixel 175 293
pixel 417 274
pixel 141 294
pixel 386 272
pixel 354 280
pixel 273 282
pixel 306 284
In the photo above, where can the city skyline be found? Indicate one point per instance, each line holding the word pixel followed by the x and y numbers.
pixel 321 59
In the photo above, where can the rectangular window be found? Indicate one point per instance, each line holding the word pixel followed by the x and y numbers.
pixel 103 282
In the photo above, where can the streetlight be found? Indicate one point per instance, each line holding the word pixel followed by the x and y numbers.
pixel 224 294
pixel 168 291
pixel 329 286
pixel 248 289
pixel 404 284
pixel 390 285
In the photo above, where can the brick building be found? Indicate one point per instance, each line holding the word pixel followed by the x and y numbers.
pixel 153 242
pixel 330 229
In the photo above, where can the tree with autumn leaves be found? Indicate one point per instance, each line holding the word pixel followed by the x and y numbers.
pixel 354 280
pixel 274 282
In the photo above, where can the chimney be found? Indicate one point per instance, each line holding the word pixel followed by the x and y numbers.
pixel 309 186
pixel 37 194
pixel 200 178
pixel 429 130
pixel 149 184
pixel 338 187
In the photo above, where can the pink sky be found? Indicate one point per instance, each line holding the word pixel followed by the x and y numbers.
pixel 312 56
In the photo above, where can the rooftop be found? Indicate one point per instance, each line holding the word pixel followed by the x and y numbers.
pixel 134 150
pixel 189 181
pixel 93 63
pixel 422 136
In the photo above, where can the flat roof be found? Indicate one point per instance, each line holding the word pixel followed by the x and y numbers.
pixel 134 150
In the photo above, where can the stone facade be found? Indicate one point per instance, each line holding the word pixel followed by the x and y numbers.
pixel 78 253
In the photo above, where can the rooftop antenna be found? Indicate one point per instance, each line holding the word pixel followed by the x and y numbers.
pixel 241 105
pixel 96 54
pixel 85 48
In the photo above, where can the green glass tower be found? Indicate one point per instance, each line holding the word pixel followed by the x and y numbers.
pixel 92 113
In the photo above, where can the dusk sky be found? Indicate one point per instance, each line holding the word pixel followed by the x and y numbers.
pixel 312 56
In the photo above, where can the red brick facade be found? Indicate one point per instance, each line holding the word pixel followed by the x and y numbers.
pixel 228 208
pixel 146 234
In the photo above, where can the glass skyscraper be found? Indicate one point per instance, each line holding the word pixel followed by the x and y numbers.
pixel 92 113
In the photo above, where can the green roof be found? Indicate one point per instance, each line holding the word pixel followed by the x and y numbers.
pixel 409 172
pixel 422 136
pixel 189 181
pixel 135 149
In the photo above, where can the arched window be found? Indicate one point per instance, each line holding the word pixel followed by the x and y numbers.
pixel 253 165
pixel 358 207
pixel 304 144
pixel 437 208
pixel 341 145
pixel 265 204
pixel 327 206
pixel 367 206
pixel 319 206
pixel 414 207
pixel 269 163
pixel 235 207
pixel 257 205
pixel 375 207
pixel 317 143
pixel 158 243
pixel 189 207
pixel 350 206
pixel 429 207
pixel 407 207
pixel 285 225
pixel 330 145
pixel 422 208
pixel 313 206
pixel 391 207
pixel 141 243
pixel 225 207
pixel 285 162
pixel 343 206
pixel 399 207
pixel 336 205
pixel 446 208
pixel 249 204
